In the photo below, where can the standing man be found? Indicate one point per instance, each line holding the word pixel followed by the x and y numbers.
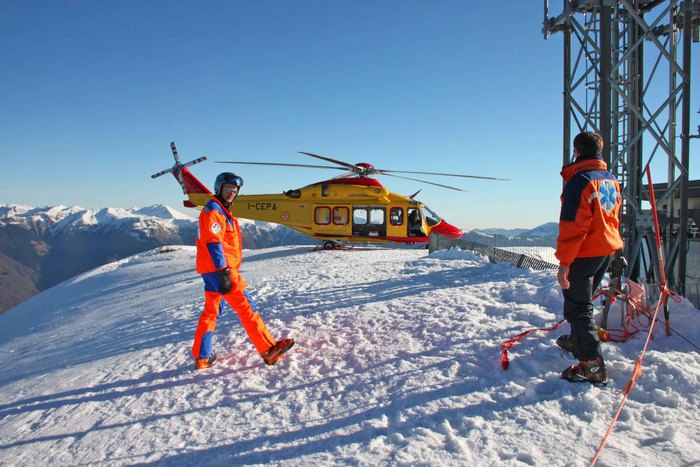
pixel 589 234
pixel 218 261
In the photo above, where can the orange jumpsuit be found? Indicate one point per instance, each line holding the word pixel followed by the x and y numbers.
pixel 219 246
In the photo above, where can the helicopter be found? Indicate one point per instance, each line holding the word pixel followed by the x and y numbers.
pixel 347 209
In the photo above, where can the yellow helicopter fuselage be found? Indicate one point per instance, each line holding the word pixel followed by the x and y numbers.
pixel 336 211
pixel 355 210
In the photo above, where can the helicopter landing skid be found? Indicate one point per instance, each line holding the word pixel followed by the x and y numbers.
pixel 333 245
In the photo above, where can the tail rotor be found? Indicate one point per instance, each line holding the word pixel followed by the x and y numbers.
pixel 177 168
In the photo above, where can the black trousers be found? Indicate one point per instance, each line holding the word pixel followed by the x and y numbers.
pixel 585 275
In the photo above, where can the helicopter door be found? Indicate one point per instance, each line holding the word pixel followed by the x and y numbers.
pixel 369 221
pixel 415 223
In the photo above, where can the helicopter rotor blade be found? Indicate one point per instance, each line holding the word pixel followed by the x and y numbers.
pixel 352 167
pixel 429 183
pixel 345 175
pixel 387 172
pixel 281 165
pixel 362 171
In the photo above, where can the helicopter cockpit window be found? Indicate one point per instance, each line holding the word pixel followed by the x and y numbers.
pixel 341 216
pixel 322 215
pixel 430 217
pixel 396 216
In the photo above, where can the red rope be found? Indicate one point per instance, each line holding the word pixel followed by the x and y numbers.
pixel 636 373
pixel 637 310
pixel 663 297
pixel 608 335
pixel 509 343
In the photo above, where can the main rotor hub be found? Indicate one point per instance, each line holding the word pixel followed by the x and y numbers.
pixel 367 169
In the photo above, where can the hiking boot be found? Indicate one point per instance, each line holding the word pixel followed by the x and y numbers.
pixel 565 342
pixel 202 363
pixel 592 371
pixel 275 352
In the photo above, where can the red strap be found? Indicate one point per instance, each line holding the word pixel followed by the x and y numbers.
pixel 509 343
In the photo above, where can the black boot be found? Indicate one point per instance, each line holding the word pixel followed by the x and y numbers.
pixel 565 342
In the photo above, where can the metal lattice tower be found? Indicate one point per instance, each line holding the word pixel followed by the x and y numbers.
pixel 623 79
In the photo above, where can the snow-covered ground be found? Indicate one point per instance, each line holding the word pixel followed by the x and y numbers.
pixel 397 362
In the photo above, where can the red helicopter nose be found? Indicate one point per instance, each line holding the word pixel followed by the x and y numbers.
pixel 448 230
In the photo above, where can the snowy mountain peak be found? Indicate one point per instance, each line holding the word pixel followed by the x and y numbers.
pixel 57 218
pixel 548 230
pixel 11 210
pixel 161 211
pixel 40 247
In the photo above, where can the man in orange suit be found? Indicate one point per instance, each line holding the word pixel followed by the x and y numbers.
pixel 219 249
pixel 589 234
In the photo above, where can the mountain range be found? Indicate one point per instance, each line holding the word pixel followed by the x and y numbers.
pixel 41 247
pixel 549 230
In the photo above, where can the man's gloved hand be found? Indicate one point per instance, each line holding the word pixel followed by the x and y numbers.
pixel 225 284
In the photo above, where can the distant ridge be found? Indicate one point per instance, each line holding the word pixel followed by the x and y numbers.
pixel 40 247
pixel 502 232
pixel 544 231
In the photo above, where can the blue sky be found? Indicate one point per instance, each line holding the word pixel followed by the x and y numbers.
pixel 94 91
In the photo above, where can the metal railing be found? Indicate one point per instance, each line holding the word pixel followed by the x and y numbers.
pixel 502 250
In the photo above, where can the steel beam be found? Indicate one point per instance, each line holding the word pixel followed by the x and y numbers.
pixel 614 57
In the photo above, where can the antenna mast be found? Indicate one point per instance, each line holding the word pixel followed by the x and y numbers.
pixel 623 79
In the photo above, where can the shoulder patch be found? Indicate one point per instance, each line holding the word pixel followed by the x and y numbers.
pixel 216 228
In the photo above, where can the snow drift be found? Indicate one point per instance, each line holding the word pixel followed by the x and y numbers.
pixel 397 362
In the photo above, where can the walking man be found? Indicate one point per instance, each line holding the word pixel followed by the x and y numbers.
pixel 589 235
pixel 218 261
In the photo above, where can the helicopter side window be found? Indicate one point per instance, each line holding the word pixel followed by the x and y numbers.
pixel 376 216
pixel 396 216
pixel 360 216
pixel 341 216
pixel 322 215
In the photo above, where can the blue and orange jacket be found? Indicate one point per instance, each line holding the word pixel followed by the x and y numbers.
pixel 589 224
pixel 219 242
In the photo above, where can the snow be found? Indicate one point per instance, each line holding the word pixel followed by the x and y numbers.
pixel 163 212
pixel 10 210
pixel 56 220
pixel 397 362
pixel 59 218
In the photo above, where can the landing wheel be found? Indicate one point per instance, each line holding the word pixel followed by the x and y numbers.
pixel 330 245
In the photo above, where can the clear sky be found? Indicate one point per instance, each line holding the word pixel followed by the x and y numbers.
pixel 92 93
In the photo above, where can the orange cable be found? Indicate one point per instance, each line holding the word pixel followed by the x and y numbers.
pixel 636 372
